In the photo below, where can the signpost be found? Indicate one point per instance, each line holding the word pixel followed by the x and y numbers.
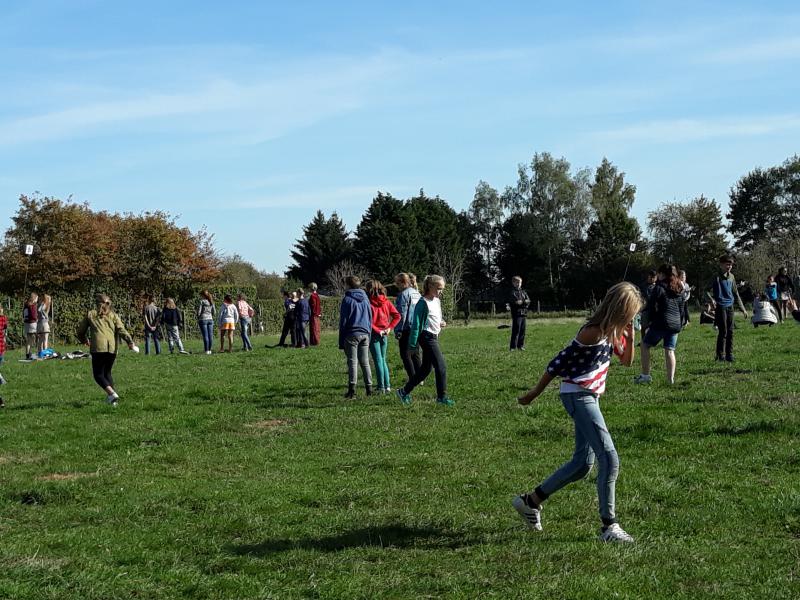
pixel 632 249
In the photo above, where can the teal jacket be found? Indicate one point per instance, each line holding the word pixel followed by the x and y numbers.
pixel 418 323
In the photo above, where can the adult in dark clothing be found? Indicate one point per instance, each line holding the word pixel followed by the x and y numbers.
pixel 519 301
pixel 723 293
pixel 355 327
pixel 302 315
pixel 288 319
pixel 667 312
pixel 785 291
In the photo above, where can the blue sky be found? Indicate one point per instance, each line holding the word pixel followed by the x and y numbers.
pixel 247 117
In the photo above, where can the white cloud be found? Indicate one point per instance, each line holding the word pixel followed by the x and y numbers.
pixel 693 130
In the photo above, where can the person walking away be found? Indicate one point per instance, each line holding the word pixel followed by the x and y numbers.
pixel 425 329
pixel 288 319
pixel 173 321
pixel 355 326
pixel 405 303
pixel 152 319
pixel 582 367
pixel 666 308
pixel 384 318
pixel 246 313
pixel 764 312
pixel 315 304
pixel 43 324
pixel 302 315
pixel 773 297
pixel 785 291
pixel 3 328
pixel 519 303
pixel 228 317
pixel 102 330
pixel 723 293
pixel 206 312
pixel 30 319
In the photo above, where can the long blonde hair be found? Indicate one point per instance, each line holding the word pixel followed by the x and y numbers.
pixel 621 304
pixel 33 298
pixel 103 303
pixel 46 302
pixel 431 282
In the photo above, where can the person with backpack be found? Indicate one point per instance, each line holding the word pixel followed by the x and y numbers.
pixel 667 314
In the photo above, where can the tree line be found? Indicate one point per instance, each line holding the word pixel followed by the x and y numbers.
pixel 569 233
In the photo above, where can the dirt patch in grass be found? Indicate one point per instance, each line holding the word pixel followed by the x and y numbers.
pixel 65 476
pixel 785 400
pixel 267 425
pixel 9 459
pixel 37 562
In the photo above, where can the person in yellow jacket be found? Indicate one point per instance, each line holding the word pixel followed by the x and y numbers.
pixel 101 330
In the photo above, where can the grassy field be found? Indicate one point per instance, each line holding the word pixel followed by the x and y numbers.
pixel 249 476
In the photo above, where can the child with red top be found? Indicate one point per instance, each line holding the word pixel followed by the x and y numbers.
pixel 3 327
pixel 583 366
pixel 384 318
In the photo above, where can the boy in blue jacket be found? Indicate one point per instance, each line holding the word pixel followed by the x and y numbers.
pixel 355 326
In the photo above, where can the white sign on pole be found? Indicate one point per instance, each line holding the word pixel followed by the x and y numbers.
pixel 633 247
pixel 28 249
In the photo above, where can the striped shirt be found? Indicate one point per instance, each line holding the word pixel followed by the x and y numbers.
pixel 584 368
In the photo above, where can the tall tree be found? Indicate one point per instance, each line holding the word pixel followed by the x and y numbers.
pixel 755 211
pixel 387 240
pixel 325 243
pixel 438 229
pixel 559 203
pixel 689 235
pixel 486 214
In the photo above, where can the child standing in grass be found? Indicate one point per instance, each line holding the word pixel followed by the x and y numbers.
pixel 3 327
pixel 30 317
pixel 425 329
pixel 405 303
pixel 228 317
pixel 583 366
pixel 172 320
pixel 43 324
pixel 102 329
pixel 384 318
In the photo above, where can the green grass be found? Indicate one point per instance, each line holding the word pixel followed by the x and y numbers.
pixel 249 476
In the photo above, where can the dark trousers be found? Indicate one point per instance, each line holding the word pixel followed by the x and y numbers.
pixel 300 335
pixel 778 306
pixel 518 332
pixel 288 329
pixel 431 359
pixel 102 363
pixel 723 319
pixel 412 361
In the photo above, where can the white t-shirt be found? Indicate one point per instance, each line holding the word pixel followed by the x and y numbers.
pixel 434 324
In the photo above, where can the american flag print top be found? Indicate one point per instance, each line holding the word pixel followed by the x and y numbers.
pixel 583 367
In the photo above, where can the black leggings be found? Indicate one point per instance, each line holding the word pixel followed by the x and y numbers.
pixel 102 363
pixel 431 358
pixel 410 356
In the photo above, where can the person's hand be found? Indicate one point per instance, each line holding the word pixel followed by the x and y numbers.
pixel 133 347
pixel 526 399
pixel 628 331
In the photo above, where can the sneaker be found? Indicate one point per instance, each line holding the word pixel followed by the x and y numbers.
pixel 388 390
pixel 445 401
pixel 642 378
pixel 404 398
pixel 615 533
pixel 2 380
pixel 729 358
pixel 521 348
pixel 208 351
pixel 350 393
pixel 531 516
pixel 112 399
pixel 2 404
pixel 183 352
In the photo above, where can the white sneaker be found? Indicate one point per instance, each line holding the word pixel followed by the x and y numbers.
pixel 2 380
pixel 615 533
pixel 642 378
pixel 531 516
pixel 112 399
pixel 208 351
pixel 183 352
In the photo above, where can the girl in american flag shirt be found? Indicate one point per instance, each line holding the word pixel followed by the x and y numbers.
pixel 582 367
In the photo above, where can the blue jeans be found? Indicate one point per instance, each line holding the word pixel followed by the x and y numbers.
pixel 207 331
pixel 151 334
pixel 377 347
pixel 592 439
pixel 244 322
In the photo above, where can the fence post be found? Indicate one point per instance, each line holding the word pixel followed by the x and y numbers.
pixel 538 306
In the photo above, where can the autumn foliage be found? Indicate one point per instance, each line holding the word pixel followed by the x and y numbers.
pixel 77 249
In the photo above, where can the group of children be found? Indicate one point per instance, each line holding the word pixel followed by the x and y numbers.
pixel 36 319
pixel 367 318
pixel 302 318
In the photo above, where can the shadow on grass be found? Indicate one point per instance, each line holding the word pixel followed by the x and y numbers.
pixel 385 536
pixel 756 427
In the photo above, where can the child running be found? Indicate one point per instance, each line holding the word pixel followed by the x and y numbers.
pixel 425 329
pixel 583 366
pixel 102 329
pixel 384 318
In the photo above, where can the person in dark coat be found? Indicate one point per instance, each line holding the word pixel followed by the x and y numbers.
pixel 519 302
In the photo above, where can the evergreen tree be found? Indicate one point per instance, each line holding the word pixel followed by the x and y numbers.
pixel 325 243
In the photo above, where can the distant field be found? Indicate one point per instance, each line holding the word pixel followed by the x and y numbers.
pixel 249 476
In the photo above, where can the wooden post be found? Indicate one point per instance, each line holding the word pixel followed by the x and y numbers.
pixel 538 306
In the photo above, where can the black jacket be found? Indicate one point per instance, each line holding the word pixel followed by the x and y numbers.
pixel 519 310
pixel 667 310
